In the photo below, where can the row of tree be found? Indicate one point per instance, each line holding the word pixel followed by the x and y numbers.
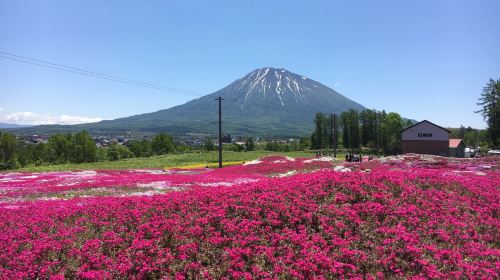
pixel 76 148
pixel 295 145
pixel 352 129
pixel 249 145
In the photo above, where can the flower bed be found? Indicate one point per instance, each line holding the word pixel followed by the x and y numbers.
pixel 30 186
pixel 400 223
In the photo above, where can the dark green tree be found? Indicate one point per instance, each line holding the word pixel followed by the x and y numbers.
pixel 490 103
pixel 140 148
pixel 461 132
pixel 319 138
pixel 40 153
pixel 346 137
pixel 471 137
pixel 408 123
pixel 8 147
pixel 24 154
pixel 391 127
pixel 366 130
pixel 162 143
pixel 249 144
pixel 334 133
pixel 351 138
pixel 117 152
pixel 304 143
pixel 208 145
pixel 380 135
pixel 237 147
pixel 354 129
pixel 83 148
pixel 59 148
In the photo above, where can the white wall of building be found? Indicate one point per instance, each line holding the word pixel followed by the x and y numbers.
pixel 425 128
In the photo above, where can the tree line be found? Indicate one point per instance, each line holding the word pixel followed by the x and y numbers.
pixel 472 137
pixel 77 148
pixel 250 145
pixel 352 130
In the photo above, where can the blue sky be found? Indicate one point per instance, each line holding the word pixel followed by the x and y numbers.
pixel 422 59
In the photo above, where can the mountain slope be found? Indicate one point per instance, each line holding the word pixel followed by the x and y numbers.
pixel 267 101
pixel 11 125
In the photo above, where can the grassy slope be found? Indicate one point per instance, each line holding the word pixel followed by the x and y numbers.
pixel 163 161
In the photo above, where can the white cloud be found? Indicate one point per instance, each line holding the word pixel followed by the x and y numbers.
pixel 38 119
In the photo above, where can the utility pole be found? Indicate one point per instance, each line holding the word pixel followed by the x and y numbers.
pixel 377 124
pixel 220 131
pixel 330 119
pixel 334 128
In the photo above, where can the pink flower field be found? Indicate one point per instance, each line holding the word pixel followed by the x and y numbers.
pixel 402 217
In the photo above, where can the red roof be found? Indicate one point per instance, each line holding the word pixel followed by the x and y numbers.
pixel 454 143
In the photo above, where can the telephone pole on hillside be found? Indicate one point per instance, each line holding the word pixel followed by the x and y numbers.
pixel 334 134
pixel 220 131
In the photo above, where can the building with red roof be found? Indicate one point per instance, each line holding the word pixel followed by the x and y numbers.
pixel 426 137
pixel 457 148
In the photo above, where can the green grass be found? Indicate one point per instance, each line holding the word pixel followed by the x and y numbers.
pixel 158 162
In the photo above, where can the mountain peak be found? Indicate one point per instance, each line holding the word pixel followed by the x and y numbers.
pixel 273 83
pixel 269 71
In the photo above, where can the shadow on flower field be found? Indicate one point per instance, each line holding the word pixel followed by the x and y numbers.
pixel 397 217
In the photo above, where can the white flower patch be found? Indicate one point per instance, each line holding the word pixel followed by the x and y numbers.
pixel 285 160
pixel 51 198
pixel 146 193
pixel 67 184
pixel 85 173
pixel 289 173
pixel 228 184
pixel 341 168
pixel 319 159
pixel 10 174
pixel 151 192
pixel 29 177
pixel 338 168
pixel 245 180
pixel 151 171
pixel 217 184
pixel 10 180
pixel 252 162
pixel 159 185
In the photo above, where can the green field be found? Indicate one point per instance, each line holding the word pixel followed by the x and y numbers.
pixel 156 162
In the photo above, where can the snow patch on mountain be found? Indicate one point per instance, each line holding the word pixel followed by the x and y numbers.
pixel 268 82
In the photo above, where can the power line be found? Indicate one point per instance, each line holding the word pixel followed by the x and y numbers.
pixel 93 74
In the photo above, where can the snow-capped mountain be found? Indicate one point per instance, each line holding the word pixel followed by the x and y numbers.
pixel 267 102
pixel 281 88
